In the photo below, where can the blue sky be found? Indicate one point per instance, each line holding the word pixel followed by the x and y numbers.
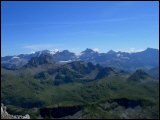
pixel 77 25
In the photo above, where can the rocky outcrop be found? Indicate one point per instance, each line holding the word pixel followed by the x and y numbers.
pixel 5 115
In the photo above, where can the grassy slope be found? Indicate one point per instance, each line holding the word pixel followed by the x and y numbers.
pixel 27 91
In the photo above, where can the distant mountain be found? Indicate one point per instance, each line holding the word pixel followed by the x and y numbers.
pixel 34 65
pixel 65 55
pixel 88 55
pixel 153 72
pixel 146 59
pixel 149 57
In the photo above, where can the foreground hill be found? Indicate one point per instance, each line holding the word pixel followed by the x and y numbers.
pixel 139 76
pixel 102 97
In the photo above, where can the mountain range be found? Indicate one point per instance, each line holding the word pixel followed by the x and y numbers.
pixel 147 59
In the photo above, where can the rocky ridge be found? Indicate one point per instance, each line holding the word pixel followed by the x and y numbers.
pixel 6 115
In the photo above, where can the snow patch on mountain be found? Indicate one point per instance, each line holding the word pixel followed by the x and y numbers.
pixel 65 61
pixel 125 57
pixel 54 51
pixel 15 57
pixel 39 53
pixel 118 55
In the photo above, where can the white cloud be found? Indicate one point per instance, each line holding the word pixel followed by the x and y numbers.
pixel 117 50
pixel 77 51
pixel 140 50
pixel 38 46
pixel 73 49
pixel 32 52
pixel 135 50
pixel 96 49
pixel 55 50
pixel 75 22
pixel 130 50
pixel 41 46
pixel 103 20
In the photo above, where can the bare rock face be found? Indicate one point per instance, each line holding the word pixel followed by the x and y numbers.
pixel 5 115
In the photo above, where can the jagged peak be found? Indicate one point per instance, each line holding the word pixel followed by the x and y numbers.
pixel 42 59
pixel 88 50
pixel 111 52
